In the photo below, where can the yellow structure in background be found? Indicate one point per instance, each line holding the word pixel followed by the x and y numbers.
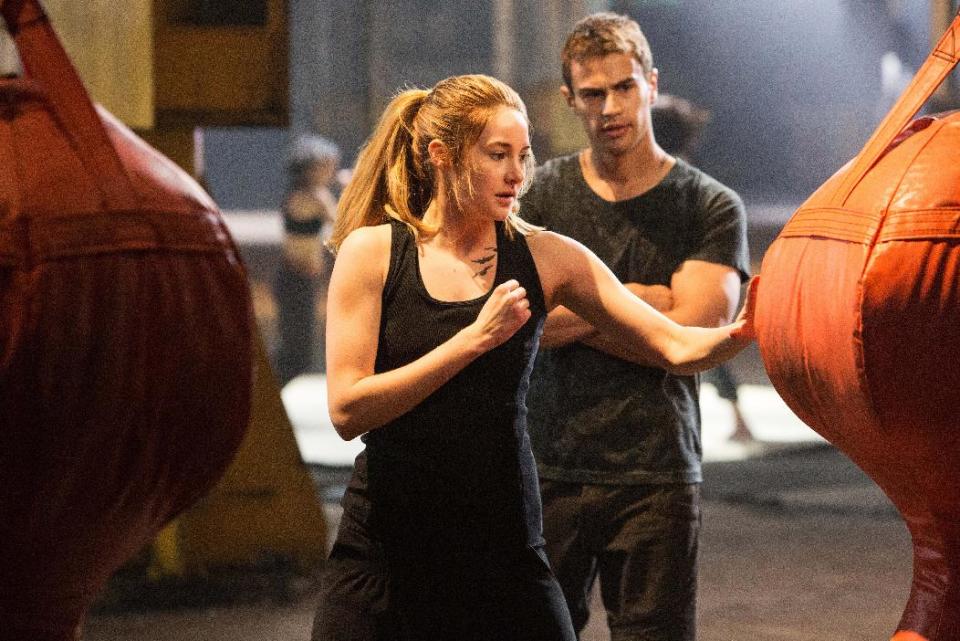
pixel 112 49
pixel 263 512
pixel 164 76
pixel 229 75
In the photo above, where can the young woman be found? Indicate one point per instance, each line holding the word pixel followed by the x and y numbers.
pixel 436 303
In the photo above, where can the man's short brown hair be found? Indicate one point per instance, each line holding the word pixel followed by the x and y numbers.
pixel 600 34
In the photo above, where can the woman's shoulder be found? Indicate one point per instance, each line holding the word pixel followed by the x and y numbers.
pixel 365 255
pixel 551 244
pixel 558 258
pixel 367 239
pixel 562 256
pixel 373 231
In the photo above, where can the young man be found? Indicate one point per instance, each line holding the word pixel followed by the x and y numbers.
pixel 618 442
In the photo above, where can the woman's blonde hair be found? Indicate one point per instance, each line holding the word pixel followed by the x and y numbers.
pixel 394 178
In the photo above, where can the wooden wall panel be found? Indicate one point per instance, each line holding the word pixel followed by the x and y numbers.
pixel 222 74
pixel 111 44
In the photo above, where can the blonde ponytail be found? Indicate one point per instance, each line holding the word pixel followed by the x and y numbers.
pixel 388 180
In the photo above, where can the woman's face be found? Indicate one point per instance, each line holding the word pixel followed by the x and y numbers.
pixel 496 165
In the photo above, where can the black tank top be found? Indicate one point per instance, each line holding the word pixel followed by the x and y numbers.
pixel 462 456
pixel 291 225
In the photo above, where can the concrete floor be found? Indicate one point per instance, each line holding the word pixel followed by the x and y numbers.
pixel 797 546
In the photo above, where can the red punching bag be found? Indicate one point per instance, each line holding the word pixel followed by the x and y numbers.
pixel 858 322
pixel 125 341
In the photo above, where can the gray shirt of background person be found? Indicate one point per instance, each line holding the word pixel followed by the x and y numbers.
pixel 595 418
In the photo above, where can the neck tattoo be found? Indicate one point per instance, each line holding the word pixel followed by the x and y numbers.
pixel 484 263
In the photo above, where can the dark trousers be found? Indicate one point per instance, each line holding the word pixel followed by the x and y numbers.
pixel 296 322
pixel 641 540
pixel 722 378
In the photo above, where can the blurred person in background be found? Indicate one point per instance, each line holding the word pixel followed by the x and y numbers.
pixel 308 210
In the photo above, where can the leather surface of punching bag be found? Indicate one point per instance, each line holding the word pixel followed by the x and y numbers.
pixel 858 322
pixel 125 341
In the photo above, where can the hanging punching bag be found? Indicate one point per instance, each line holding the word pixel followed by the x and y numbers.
pixel 125 341
pixel 858 322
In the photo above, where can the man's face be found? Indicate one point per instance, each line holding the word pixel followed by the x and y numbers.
pixel 612 97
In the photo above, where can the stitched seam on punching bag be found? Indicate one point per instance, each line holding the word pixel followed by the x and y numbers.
pixel 27 241
pixel 942 55
pixel 76 146
pixel 860 352
pixel 896 190
pixel 12 249
pixel 71 108
pixel 824 222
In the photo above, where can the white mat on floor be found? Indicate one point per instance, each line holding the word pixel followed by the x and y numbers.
pixel 770 420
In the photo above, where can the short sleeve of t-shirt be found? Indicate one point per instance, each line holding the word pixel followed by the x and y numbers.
pixel 722 223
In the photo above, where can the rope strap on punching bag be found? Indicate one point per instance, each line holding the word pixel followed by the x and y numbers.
pixel 931 75
pixel 45 61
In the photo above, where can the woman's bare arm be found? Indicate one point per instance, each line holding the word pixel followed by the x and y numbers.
pixel 574 277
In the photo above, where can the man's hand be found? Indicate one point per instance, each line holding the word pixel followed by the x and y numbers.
pixel 700 293
pixel 657 296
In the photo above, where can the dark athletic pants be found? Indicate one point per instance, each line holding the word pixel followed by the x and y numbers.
pixel 420 583
pixel 642 542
